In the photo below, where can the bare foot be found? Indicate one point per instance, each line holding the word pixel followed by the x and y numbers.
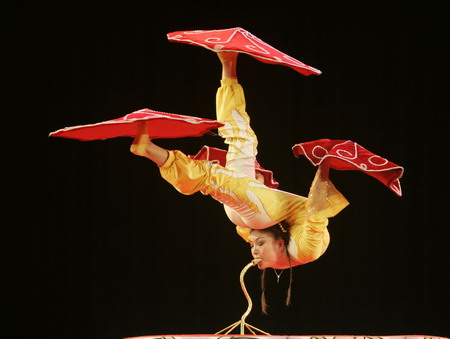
pixel 141 141
pixel 229 61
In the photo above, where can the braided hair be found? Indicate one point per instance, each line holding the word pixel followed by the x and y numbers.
pixel 278 231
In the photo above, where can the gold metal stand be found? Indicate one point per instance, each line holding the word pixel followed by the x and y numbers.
pixel 242 323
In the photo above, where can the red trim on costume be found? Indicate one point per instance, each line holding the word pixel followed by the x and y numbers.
pixel 212 153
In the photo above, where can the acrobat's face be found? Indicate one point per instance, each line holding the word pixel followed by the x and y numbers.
pixel 271 251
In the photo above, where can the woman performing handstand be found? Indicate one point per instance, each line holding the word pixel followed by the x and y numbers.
pixel 283 229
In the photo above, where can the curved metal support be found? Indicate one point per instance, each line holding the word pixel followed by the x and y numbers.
pixel 249 300
pixel 242 323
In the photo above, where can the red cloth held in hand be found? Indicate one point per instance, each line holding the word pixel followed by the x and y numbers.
pixel 347 155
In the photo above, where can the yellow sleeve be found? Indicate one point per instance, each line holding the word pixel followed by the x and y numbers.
pixel 311 238
pixel 244 232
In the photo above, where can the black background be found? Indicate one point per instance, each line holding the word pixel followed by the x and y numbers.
pixel 99 246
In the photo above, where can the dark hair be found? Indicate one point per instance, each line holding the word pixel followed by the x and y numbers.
pixel 277 231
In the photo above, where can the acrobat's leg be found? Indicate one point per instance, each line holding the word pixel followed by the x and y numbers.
pixel 241 139
pixel 141 141
pixel 144 147
pixel 230 106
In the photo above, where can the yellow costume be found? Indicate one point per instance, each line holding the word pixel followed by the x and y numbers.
pixel 248 203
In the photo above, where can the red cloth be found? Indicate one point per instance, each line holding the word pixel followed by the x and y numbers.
pixel 212 153
pixel 348 155
pixel 161 125
pixel 239 40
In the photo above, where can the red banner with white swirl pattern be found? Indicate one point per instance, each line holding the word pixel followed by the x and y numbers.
pixel 347 155
pixel 161 125
pixel 239 40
